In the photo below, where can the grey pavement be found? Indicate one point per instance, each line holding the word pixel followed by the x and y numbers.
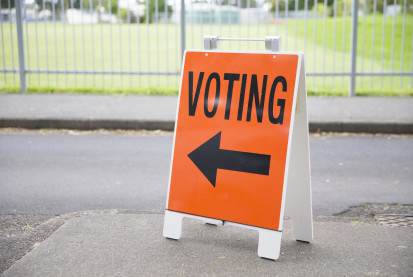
pixel 86 112
pixel 133 245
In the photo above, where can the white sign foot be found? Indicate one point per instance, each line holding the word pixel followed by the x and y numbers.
pixel 269 244
pixel 213 221
pixel 172 227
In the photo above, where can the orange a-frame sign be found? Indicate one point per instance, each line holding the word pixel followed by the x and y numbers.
pixel 233 137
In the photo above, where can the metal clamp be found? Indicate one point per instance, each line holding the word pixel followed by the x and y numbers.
pixel 211 42
pixel 272 43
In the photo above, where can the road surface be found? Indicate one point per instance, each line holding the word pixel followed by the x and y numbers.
pixel 60 172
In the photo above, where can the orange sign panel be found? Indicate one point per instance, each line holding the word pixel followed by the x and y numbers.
pixel 232 136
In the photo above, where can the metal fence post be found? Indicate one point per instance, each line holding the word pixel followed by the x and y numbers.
pixel 22 69
pixel 182 27
pixel 354 23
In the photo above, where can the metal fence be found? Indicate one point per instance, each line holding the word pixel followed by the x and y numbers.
pixel 128 45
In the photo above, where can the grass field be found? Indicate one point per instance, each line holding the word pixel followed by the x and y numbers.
pixel 141 47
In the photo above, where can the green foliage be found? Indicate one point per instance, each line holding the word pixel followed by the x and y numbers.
pixel 244 3
pixel 321 9
pixel 341 5
pixel 127 16
pixel 370 6
pixel 86 4
pixel 114 7
pixel 5 4
pixel 379 5
pixel 152 9
pixel 291 5
pixel 124 14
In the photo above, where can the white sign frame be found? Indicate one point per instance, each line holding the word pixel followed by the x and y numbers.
pixel 296 199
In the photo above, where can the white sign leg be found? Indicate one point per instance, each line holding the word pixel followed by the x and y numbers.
pixel 269 244
pixel 298 204
pixel 172 226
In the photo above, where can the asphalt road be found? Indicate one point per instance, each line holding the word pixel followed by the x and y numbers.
pixel 58 173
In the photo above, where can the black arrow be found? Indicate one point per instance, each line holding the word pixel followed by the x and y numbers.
pixel 209 157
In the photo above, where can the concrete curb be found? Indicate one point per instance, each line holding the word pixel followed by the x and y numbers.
pixel 168 125
pixel 363 127
pixel 90 112
pixel 77 124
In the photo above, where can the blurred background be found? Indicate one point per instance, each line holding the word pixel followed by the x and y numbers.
pixel 135 46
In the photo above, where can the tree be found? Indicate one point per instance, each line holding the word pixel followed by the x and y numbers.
pixel 5 4
pixel 340 5
pixel 152 9
pixel 291 4
pixel 243 3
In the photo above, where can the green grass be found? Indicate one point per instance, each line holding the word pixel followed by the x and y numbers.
pixel 157 48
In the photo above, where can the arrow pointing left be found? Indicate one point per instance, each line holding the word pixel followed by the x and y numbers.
pixel 209 157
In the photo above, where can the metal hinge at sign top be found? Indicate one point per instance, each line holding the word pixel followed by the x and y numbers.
pixel 272 43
